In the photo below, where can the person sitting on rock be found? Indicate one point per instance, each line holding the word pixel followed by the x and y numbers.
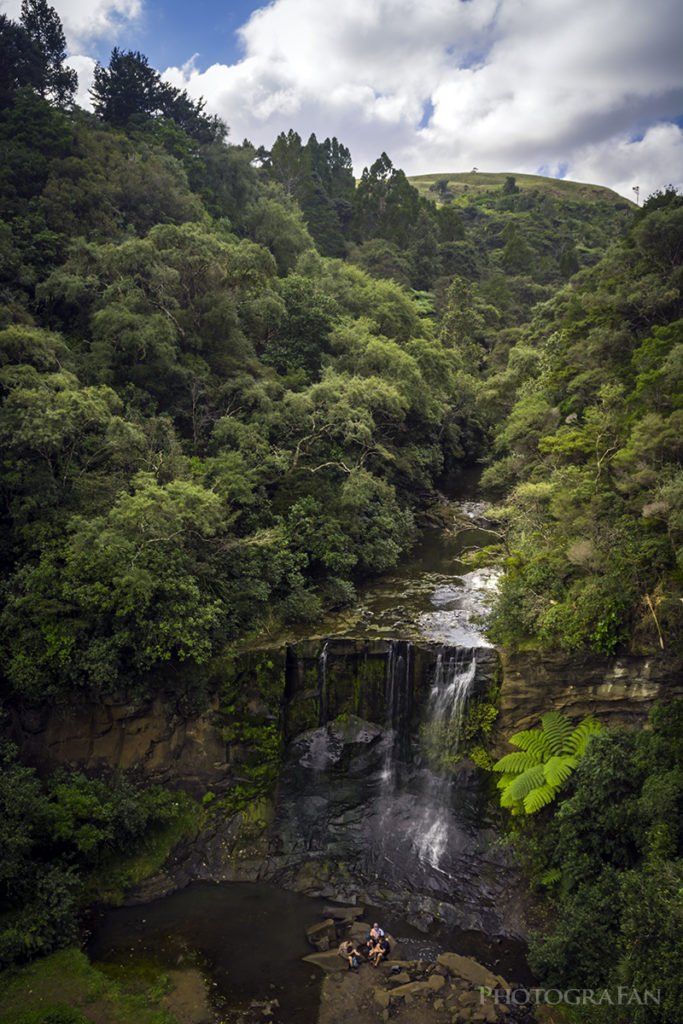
pixel 380 951
pixel 348 950
pixel 374 935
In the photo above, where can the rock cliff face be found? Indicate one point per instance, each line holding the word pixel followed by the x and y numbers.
pixel 320 682
pixel 313 682
pixel 358 811
pixel 151 740
pixel 618 690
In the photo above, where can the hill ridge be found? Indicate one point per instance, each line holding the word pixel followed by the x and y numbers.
pixel 462 183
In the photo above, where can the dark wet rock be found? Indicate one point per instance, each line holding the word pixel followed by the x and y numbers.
pixel 322 936
pixel 471 971
pixel 344 915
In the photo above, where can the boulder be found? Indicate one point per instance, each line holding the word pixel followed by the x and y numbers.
pixel 402 978
pixel 436 982
pixel 485 1013
pixel 470 970
pixel 412 989
pixel 330 961
pixel 323 935
pixel 382 997
pixel 344 914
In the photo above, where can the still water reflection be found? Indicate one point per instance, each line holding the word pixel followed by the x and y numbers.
pixel 250 938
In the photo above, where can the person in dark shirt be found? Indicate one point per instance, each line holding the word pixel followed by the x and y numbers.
pixel 380 951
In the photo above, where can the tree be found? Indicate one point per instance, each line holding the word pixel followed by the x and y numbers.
pixel 20 60
pixel 122 593
pixel 385 204
pixel 290 164
pixel 130 88
pixel 610 855
pixel 54 832
pixel 302 336
pixel 44 29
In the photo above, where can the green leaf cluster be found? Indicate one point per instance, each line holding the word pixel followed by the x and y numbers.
pixel 58 835
pixel 533 776
pixel 587 461
pixel 611 854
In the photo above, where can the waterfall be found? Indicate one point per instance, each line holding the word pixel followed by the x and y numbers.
pixel 322 684
pixel 454 675
pixel 416 822
pixel 398 706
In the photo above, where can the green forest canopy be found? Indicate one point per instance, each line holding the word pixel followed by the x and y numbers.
pixel 233 378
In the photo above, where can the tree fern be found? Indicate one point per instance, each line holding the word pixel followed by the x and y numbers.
pixel 557 769
pixel 531 777
pixel 557 728
pixel 516 762
pixel 539 797
pixel 528 780
pixel 551 877
pixel 534 742
pixel 576 744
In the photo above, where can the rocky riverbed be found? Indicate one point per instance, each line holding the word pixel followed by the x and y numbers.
pixel 432 987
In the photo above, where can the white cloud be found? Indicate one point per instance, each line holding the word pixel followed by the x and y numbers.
pixel 514 85
pixel 86 20
pixel 444 85
pixel 650 163
pixel 85 69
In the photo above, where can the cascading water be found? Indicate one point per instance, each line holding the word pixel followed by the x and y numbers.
pixel 322 683
pixel 398 706
pixel 379 792
pixel 453 678
pixel 419 826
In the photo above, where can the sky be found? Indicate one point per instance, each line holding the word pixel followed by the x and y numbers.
pixel 590 90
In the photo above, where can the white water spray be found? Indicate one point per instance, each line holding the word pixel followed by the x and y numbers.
pixel 453 679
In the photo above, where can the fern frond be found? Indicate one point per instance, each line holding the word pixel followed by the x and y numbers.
pixel 539 797
pixel 551 876
pixel 515 763
pixel 504 781
pixel 528 780
pixel 535 742
pixel 576 744
pixel 507 800
pixel 557 769
pixel 557 728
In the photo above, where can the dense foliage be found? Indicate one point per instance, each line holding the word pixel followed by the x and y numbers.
pixel 232 379
pixel 612 853
pixel 209 423
pixel 590 453
pixel 533 775
pixel 56 836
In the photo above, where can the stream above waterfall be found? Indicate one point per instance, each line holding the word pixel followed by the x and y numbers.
pixel 433 594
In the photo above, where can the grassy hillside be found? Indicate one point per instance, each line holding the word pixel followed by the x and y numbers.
pixel 463 185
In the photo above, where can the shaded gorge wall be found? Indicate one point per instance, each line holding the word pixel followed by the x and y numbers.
pixel 320 772
pixel 334 767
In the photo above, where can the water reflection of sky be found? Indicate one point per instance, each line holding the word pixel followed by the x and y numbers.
pixel 432 595
pixel 458 609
